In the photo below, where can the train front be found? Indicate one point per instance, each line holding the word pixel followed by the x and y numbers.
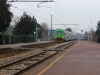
pixel 59 36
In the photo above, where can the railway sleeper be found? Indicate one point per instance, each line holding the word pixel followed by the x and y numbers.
pixel 5 65
pixel 48 49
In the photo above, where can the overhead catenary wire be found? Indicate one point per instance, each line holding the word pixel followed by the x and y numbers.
pixel 40 13
pixel 37 11
pixel 59 14
pixel 49 14
pixel 57 5
pixel 44 11
pixel 64 15
pixel 28 12
pixel 62 12
pixel 53 16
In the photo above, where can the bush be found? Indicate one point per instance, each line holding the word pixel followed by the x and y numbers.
pixel 30 38
pixel 0 39
pixel 17 39
pixel 6 37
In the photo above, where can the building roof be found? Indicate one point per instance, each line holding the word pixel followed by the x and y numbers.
pixel 51 31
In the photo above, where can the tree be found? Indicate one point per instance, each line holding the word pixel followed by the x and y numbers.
pixel 92 34
pixel 5 17
pixel 69 29
pixel 97 33
pixel 86 35
pixel 45 29
pixel 25 26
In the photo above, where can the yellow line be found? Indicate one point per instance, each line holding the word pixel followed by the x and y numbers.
pixel 56 60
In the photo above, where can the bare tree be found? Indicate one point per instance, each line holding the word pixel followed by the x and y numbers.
pixel 9 30
pixel 45 30
pixel 15 20
pixel 86 35
pixel 89 35
pixel 92 34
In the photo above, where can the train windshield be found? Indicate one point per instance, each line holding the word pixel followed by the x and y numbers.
pixel 59 32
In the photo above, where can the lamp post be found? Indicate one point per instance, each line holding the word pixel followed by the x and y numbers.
pixel 35 35
pixel 88 32
pixel 48 36
pixel 91 30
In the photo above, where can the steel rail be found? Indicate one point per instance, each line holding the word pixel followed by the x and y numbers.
pixel 27 47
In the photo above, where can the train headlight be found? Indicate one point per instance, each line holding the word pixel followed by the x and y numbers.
pixel 62 36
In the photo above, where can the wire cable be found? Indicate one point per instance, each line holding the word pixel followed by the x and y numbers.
pixel 62 11
pixel 28 12
pixel 47 12
pixel 37 11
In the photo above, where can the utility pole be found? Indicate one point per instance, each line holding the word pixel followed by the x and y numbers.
pixel 36 32
pixel 51 28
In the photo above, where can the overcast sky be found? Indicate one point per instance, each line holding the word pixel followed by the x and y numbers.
pixel 63 11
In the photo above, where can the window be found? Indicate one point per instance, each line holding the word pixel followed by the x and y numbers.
pixel 59 32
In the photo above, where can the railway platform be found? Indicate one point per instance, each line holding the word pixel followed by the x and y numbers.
pixel 81 59
pixel 21 44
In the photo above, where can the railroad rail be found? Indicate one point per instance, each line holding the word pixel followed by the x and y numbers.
pixel 21 66
pixel 61 47
pixel 40 45
pixel 14 51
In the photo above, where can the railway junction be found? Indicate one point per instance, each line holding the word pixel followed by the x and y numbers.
pixel 50 58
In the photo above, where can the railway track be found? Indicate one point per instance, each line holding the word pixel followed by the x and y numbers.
pixel 21 66
pixel 15 51
pixel 17 67
pixel 60 47
pixel 41 45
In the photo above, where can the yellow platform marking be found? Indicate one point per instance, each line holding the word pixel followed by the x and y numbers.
pixel 56 60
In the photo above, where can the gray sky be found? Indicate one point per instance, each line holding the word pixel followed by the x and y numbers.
pixel 63 11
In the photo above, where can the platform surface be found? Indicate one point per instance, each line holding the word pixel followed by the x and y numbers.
pixel 82 59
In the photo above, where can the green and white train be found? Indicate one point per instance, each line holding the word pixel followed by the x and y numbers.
pixel 62 35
